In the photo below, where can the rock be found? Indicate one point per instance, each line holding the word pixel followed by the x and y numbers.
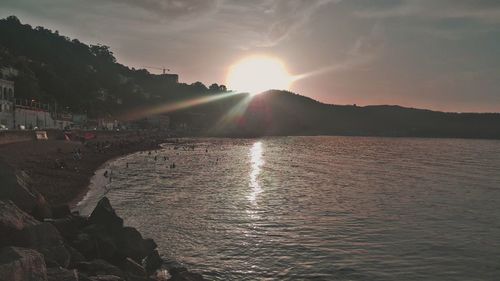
pixel 42 209
pixel 20 229
pixel 149 245
pixel 99 267
pixel 45 238
pixel 84 244
pixel 101 243
pixel 60 211
pixel 69 226
pixel 104 215
pixel 12 220
pixel 19 264
pixel 61 274
pixel 130 244
pixel 75 256
pixel 15 187
pixel 182 274
pixel 132 268
pixel 152 262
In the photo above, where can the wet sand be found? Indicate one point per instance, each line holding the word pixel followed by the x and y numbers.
pixel 57 173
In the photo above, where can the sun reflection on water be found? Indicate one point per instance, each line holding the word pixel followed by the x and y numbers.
pixel 256 162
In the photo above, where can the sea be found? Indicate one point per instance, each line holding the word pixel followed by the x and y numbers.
pixel 315 208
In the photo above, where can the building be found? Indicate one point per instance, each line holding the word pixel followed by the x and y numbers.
pixel 29 114
pixel 6 103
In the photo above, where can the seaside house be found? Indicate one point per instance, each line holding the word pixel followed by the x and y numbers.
pixel 6 104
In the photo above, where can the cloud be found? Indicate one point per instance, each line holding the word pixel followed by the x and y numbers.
pixel 289 15
pixel 173 8
pixel 487 11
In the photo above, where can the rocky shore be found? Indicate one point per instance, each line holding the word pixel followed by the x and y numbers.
pixel 42 239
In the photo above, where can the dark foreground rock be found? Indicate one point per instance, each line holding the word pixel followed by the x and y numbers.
pixel 68 247
pixel 20 264
pixel 20 229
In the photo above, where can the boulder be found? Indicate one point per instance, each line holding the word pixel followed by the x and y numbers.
pixel 61 274
pixel 60 211
pixel 12 221
pixel 130 244
pixel 99 267
pixel 45 238
pixel 20 229
pixel 152 262
pixel 100 244
pixel 75 256
pixel 69 226
pixel 42 208
pixel 132 268
pixel 19 264
pixel 15 187
pixel 104 215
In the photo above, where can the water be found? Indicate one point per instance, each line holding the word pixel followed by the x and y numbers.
pixel 318 208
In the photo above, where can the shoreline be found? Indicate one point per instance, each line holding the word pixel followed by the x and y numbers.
pixel 56 172
pixel 42 182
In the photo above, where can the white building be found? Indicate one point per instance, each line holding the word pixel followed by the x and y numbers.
pixel 7 103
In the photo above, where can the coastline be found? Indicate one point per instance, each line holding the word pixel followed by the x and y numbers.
pixel 41 182
pixel 55 173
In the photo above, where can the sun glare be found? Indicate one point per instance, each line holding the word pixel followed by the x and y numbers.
pixel 257 74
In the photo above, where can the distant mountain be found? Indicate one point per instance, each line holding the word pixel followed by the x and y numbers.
pixel 86 78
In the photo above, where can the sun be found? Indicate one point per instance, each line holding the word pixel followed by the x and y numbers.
pixel 256 74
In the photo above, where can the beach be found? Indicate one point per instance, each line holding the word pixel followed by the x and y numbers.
pixel 63 178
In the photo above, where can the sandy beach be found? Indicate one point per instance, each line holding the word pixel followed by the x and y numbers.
pixel 61 170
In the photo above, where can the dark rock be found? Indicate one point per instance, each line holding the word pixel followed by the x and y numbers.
pixel 42 208
pixel 60 211
pixel 61 274
pixel 12 221
pixel 84 244
pixel 103 244
pixel 182 274
pixel 99 267
pixel 132 268
pixel 69 226
pixel 152 262
pixel 45 238
pixel 75 256
pixel 130 244
pixel 104 215
pixel 19 264
pixel 149 245
pixel 20 229
pixel 16 187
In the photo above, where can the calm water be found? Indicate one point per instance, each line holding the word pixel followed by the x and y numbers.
pixel 321 208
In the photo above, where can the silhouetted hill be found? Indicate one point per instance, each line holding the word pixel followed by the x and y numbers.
pixel 291 114
pixel 86 78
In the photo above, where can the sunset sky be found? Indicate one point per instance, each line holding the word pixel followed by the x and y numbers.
pixel 436 54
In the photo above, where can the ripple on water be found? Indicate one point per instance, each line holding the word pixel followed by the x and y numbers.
pixel 323 208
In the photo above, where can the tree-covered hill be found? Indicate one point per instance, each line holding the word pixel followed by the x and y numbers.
pixel 84 78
